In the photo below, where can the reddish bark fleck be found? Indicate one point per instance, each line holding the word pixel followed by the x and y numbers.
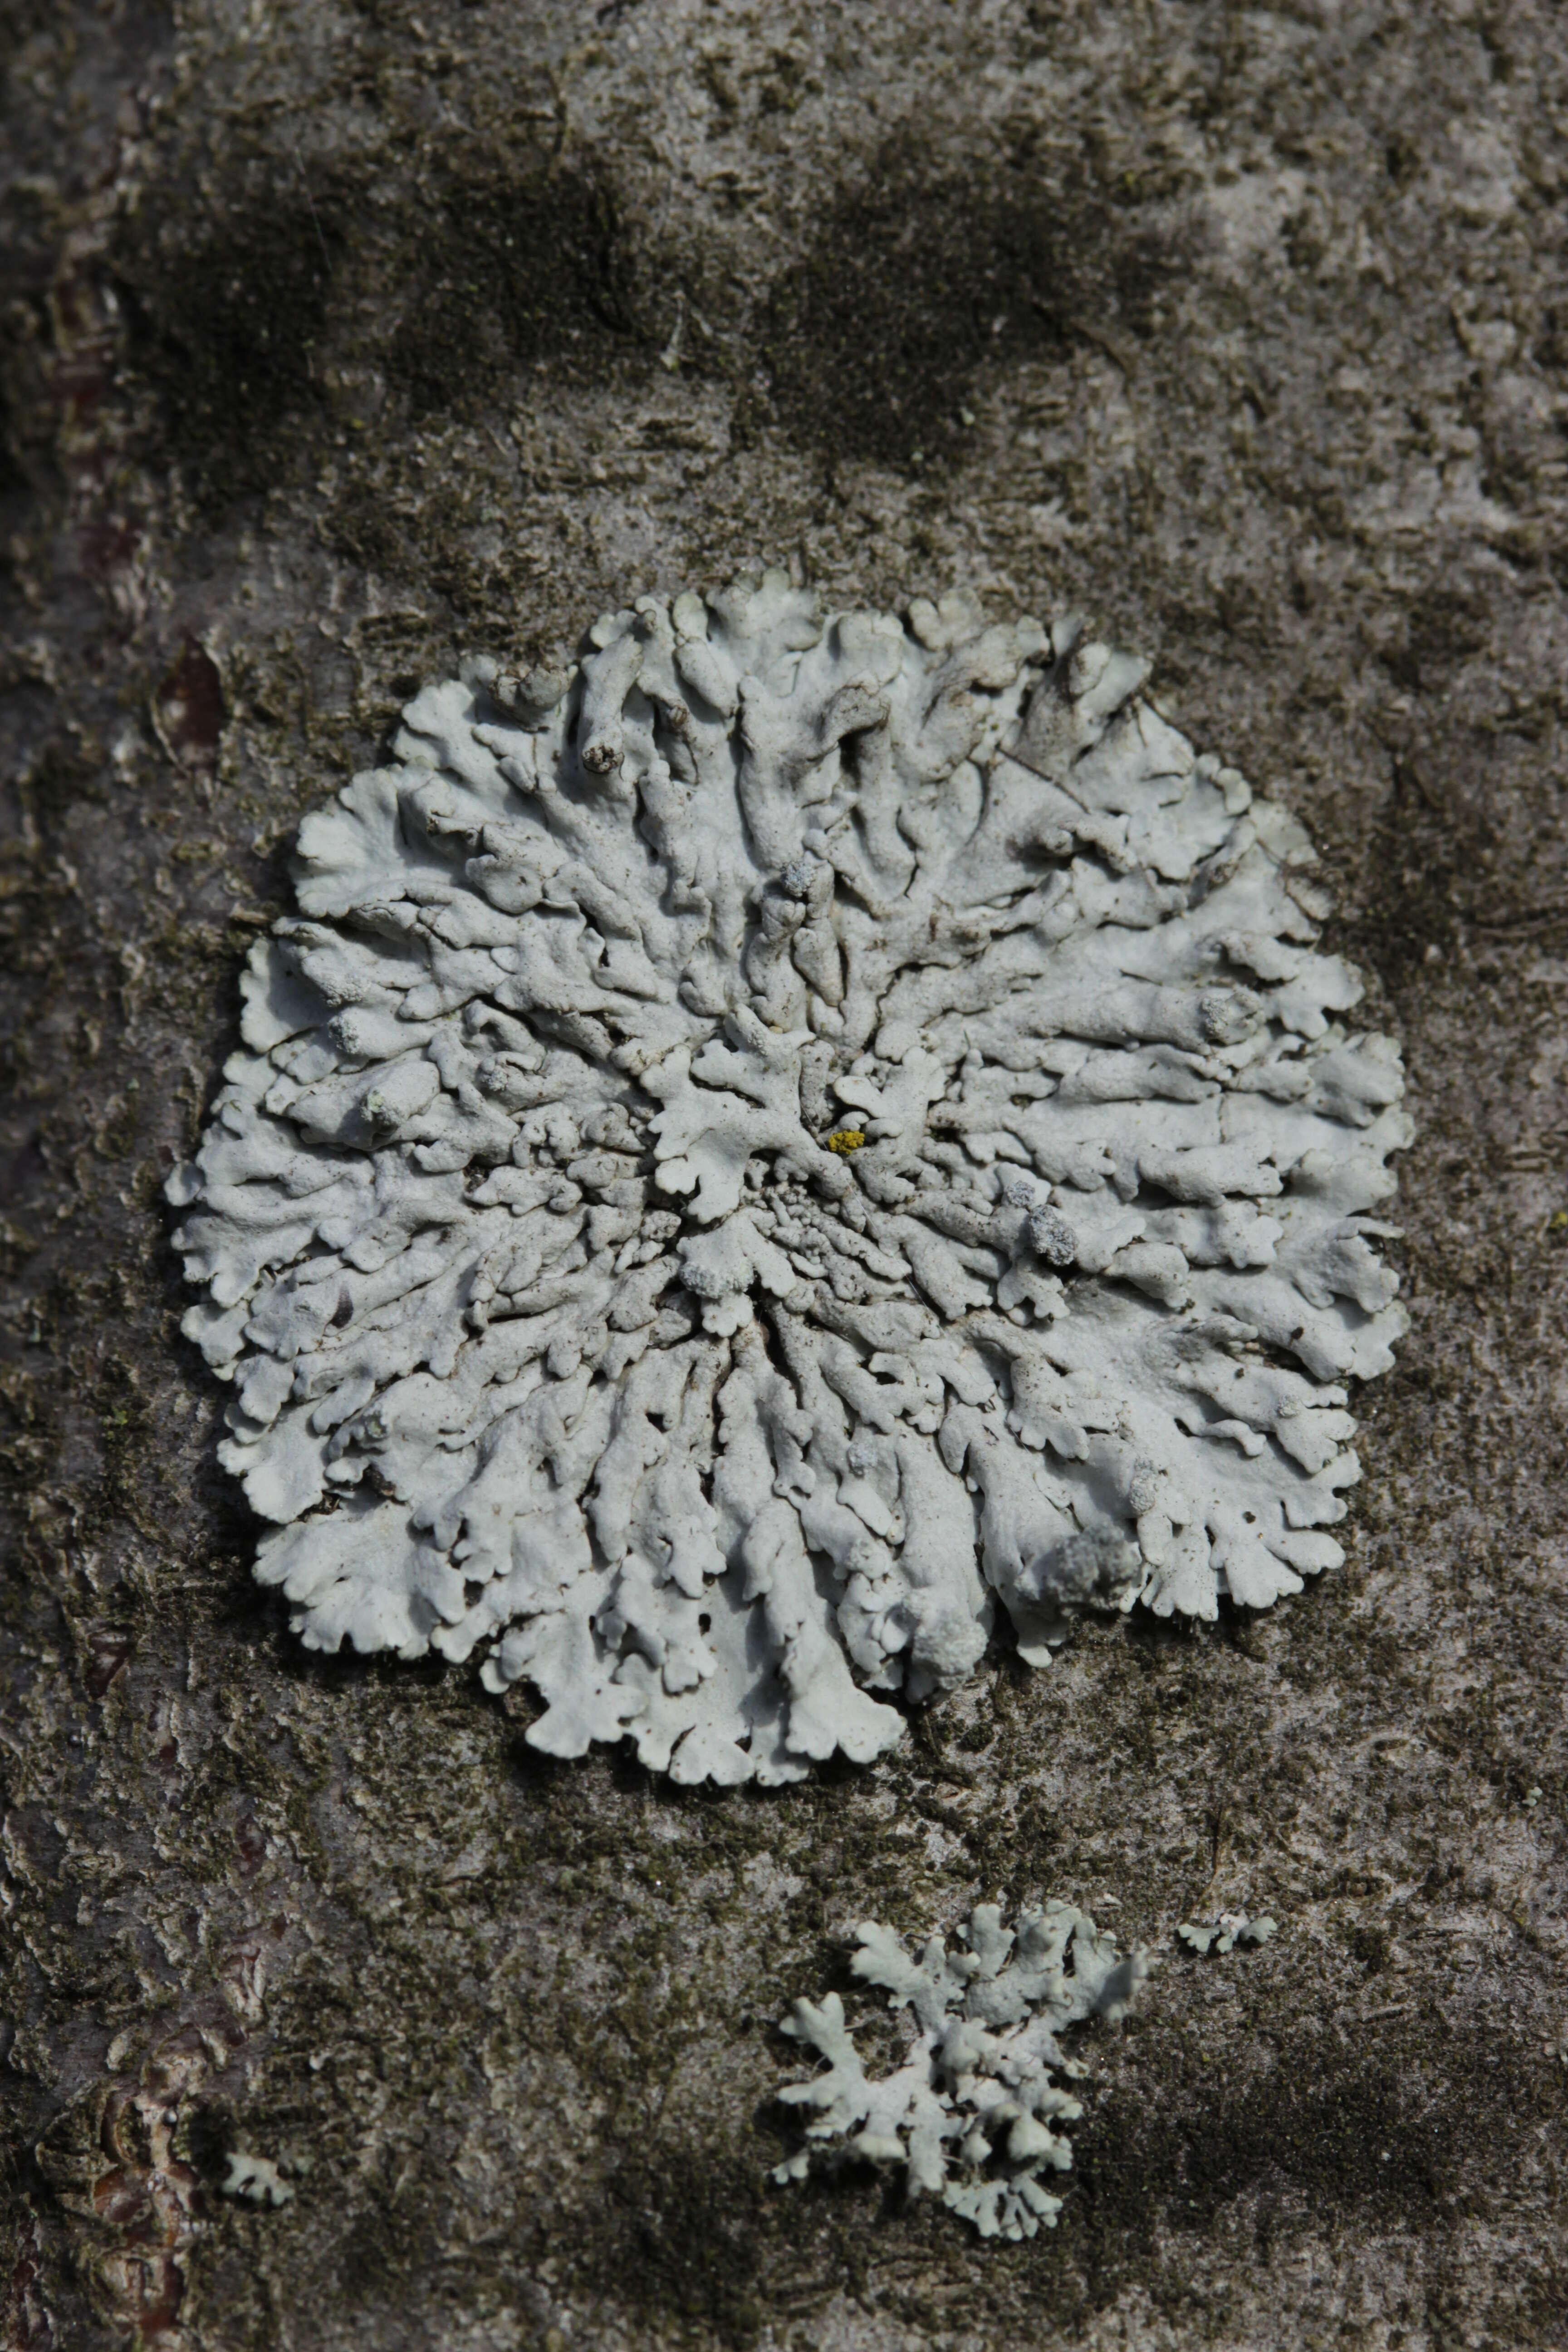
pixel 189 707
pixel 107 1654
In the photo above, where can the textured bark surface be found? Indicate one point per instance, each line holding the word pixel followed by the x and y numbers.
pixel 341 338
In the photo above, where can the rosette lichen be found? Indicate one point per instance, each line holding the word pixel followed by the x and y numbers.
pixel 973 2111
pixel 761 1145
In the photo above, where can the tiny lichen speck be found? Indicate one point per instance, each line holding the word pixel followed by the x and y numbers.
pixel 567 1323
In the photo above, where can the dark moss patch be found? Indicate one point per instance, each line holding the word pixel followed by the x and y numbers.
pixel 14 486
pixel 387 2249
pixel 1384 2136
pixel 1360 2140
pixel 683 2238
pixel 229 332
pixel 1422 873
pixel 1447 874
pixel 508 275
pixel 21 21
pixel 925 275
pixel 312 314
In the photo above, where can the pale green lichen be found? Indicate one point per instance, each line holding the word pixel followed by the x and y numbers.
pixel 972 2110
pixel 572 1323
pixel 1223 1934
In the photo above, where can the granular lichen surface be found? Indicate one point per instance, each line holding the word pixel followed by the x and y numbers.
pixel 341 344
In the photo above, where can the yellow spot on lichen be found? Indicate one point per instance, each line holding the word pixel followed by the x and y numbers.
pixel 847 1138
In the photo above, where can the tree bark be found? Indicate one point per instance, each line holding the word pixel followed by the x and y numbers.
pixel 344 336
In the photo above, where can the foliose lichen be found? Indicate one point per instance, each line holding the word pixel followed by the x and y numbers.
pixel 1223 1934
pixel 972 2110
pixel 760 1145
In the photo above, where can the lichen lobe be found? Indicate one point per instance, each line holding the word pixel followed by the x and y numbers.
pixel 567 1316
pixel 973 2111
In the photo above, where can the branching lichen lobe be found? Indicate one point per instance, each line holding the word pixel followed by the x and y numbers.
pixel 971 2113
pixel 569 1315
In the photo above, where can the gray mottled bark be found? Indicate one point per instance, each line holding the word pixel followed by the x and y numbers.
pixel 344 337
